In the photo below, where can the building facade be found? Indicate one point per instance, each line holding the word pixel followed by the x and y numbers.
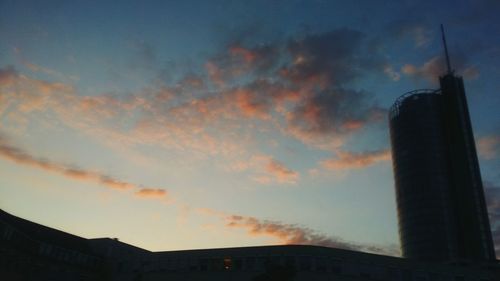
pixel 441 207
pixel 33 252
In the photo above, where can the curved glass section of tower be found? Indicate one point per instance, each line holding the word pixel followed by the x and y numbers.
pixel 421 175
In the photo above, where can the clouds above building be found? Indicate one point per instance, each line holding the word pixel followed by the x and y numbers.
pixel 272 109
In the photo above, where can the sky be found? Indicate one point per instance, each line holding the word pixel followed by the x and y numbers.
pixel 203 124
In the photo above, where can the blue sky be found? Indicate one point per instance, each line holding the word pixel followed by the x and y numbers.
pixel 227 123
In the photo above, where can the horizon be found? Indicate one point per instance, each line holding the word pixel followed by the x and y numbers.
pixel 252 124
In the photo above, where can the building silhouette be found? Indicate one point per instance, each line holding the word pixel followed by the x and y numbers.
pixel 441 206
pixel 33 252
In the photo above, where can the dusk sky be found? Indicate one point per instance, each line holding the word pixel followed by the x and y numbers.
pixel 203 124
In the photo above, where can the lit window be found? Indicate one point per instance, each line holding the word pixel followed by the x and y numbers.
pixel 228 263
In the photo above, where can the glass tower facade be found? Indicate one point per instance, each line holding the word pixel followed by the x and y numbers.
pixel 441 207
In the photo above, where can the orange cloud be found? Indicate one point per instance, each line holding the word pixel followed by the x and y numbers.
pixel 436 67
pixel 250 104
pixel 266 170
pixel 21 157
pixel 108 181
pixel 430 70
pixel 293 234
pixel 201 117
pixel 7 76
pixel 349 160
pixel 151 193
pixel 489 147
pixel 281 172
pixel 248 55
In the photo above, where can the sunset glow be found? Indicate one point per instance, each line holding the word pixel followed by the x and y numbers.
pixel 228 123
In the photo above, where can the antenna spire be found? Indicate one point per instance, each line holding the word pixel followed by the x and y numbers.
pixel 446 51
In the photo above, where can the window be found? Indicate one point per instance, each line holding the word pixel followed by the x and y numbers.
pixel 228 264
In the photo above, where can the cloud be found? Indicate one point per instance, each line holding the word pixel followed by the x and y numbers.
pixel 294 234
pixel 151 193
pixel 266 170
pixel 261 58
pixel 313 74
pixel 391 73
pixel 281 173
pixel 259 98
pixel 300 87
pixel 492 194
pixel 41 69
pixel 7 75
pixel 430 70
pixel 326 113
pixel 350 160
pixel 321 60
pixel 238 60
pixel 19 156
pixel 489 147
pixel 336 113
pixel 435 67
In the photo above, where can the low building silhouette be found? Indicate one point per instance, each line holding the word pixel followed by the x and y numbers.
pixel 33 252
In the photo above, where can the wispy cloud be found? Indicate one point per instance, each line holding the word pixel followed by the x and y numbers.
pixel 300 87
pixel 151 193
pixel 392 73
pixel 298 78
pixel 20 156
pixel 294 234
pixel 351 160
pixel 281 172
pixel 436 66
pixel 266 170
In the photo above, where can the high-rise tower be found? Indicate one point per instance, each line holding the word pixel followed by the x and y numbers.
pixel 441 207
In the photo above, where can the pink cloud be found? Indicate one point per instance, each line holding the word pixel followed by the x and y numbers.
pixel 435 67
pixel 266 170
pixel 281 173
pixel 19 156
pixel 349 160
pixel 203 118
pixel 430 70
pixel 251 105
pixel 248 55
pixel 294 234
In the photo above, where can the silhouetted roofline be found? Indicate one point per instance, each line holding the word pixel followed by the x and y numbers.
pixel 394 109
pixel 42 233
